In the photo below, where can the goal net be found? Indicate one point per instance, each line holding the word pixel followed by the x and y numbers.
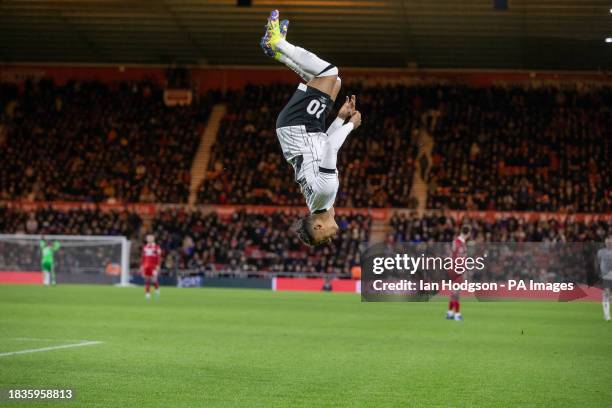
pixel 77 258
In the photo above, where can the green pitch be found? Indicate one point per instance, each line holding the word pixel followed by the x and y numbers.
pixel 205 347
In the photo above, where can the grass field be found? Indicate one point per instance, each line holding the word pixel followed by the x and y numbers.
pixel 206 347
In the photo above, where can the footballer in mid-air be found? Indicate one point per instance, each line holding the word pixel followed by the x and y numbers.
pixel 300 127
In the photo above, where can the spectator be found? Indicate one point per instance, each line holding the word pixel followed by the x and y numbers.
pixel 87 141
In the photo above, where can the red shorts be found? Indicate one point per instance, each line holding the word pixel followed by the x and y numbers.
pixel 148 271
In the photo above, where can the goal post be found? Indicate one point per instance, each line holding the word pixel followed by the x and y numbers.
pixel 78 258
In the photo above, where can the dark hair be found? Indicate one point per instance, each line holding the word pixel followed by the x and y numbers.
pixel 303 231
pixel 465 229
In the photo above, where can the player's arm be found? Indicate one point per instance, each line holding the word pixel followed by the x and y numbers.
pixel 56 246
pixel 345 112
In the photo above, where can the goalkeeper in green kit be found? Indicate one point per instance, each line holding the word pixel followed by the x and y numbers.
pixel 47 264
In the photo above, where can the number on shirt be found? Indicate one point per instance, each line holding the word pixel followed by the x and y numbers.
pixel 315 108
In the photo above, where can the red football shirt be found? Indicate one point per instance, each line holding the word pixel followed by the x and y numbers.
pixel 151 256
pixel 458 250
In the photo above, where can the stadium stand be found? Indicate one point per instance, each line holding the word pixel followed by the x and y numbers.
pixel 72 222
pixel 376 163
pixel 519 148
pixel 252 242
pixel 509 240
pixel 439 227
pixel 89 141
pixel 496 148
pixel 246 242
pixel 48 221
pixel 246 164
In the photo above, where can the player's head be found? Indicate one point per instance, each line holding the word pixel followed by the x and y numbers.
pixel 150 238
pixel 316 229
pixel 466 230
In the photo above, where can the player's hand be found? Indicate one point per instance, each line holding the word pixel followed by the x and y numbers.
pixel 356 119
pixel 347 108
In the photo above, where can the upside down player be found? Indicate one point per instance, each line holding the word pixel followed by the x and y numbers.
pixel 149 265
pixel 300 129
pixel 458 250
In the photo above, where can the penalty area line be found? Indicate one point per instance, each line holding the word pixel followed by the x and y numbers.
pixel 39 350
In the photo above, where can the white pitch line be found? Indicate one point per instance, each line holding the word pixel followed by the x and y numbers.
pixel 46 339
pixel 38 350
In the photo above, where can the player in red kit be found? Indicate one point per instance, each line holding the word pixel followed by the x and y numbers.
pixel 149 265
pixel 458 250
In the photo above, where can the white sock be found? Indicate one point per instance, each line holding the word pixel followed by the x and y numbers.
pixel 306 60
pixel 295 68
pixel 450 313
pixel 606 305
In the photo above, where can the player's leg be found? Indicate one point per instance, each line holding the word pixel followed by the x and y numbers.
pixel 324 74
pixel 46 274
pixel 295 68
pixel 606 303
pixel 267 49
pixel 46 270
pixel 335 89
pixel 147 279
pixel 325 84
pixel 52 274
pixel 457 306
pixel 306 76
pixel 156 284
pixel 450 313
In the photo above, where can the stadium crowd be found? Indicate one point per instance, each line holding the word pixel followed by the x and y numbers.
pixel 519 148
pixel 247 242
pixel 46 221
pixel 375 164
pixel 89 141
pixel 495 148
pixel 254 242
pixel 438 227
pixel 17 254
pixel 566 249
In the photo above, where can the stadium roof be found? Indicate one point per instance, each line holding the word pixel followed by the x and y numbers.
pixel 530 34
